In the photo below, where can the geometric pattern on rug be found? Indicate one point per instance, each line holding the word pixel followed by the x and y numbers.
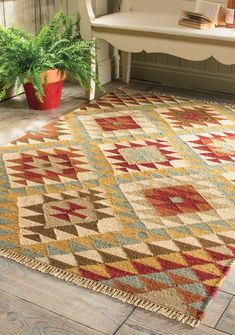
pixel 213 148
pixel 130 195
pixel 230 176
pixel 118 100
pixel 61 216
pixel 178 201
pixel 142 155
pixel 118 124
pixel 195 116
pixel 47 166
pixel 58 130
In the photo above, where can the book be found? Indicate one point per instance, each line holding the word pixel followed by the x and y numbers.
pixel 205 16
pixel 195 24
pixel 196 20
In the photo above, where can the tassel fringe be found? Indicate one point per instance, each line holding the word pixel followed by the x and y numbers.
pixel 187 98
pixel 99 287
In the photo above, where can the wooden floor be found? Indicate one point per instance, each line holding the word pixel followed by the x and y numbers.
pixel 35 304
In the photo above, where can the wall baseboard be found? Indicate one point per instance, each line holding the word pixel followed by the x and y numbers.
pixel 178 76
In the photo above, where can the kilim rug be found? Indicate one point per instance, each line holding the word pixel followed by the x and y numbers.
pixel 132 196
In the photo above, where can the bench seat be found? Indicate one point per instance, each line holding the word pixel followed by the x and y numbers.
pixel 166 24
pixel 152 26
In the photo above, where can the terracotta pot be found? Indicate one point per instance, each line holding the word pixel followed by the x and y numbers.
pixel 52 91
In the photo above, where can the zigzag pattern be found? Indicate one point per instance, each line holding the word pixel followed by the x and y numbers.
pixel 214 148
pixel 46 166
pixel 194 116
pixel 57 130
pixel 134 191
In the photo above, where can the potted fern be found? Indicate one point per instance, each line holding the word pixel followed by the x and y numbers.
pixel 41 62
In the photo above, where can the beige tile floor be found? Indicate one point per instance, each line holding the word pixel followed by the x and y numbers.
pixel 35 304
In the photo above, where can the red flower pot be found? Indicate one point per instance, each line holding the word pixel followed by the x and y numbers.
pixel 52 91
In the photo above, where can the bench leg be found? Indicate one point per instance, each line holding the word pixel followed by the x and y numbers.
pixel 90 94
pixel 116 64
pixel 126 66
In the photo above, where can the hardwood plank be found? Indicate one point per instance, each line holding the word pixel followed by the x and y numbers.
pixel 18 317
pixel 91 309
pixel 227 321
pixel 217 308
pixel 144 323
pixel 229 283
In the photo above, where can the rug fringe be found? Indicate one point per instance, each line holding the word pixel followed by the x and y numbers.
pixel 175 96
pixel 99 287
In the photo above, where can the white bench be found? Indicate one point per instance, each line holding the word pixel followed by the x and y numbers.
pixel 152 26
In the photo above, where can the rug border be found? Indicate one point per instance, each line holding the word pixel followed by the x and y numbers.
pixel 174 96
pixel 99 287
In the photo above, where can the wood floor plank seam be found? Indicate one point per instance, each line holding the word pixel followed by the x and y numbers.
pixel 124 321
pixel 13 317
pixel 223 315
pixel 84 306
pixel 224 311
pixel 227 292
pixel 225 333
pixel 48 310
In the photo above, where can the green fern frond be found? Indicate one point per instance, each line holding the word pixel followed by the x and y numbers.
pixel 58 45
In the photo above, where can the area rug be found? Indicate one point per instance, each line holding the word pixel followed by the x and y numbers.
pixel 132 196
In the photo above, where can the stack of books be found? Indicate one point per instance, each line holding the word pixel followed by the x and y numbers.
pixel 205 16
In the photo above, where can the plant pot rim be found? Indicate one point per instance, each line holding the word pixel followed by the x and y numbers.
pixel 51 76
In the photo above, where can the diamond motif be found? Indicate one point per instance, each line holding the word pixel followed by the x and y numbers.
pixel 62 216
pixel 142 155
pixel 174 202
pixel 118 124
pixel 47 166
pixel 193 116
